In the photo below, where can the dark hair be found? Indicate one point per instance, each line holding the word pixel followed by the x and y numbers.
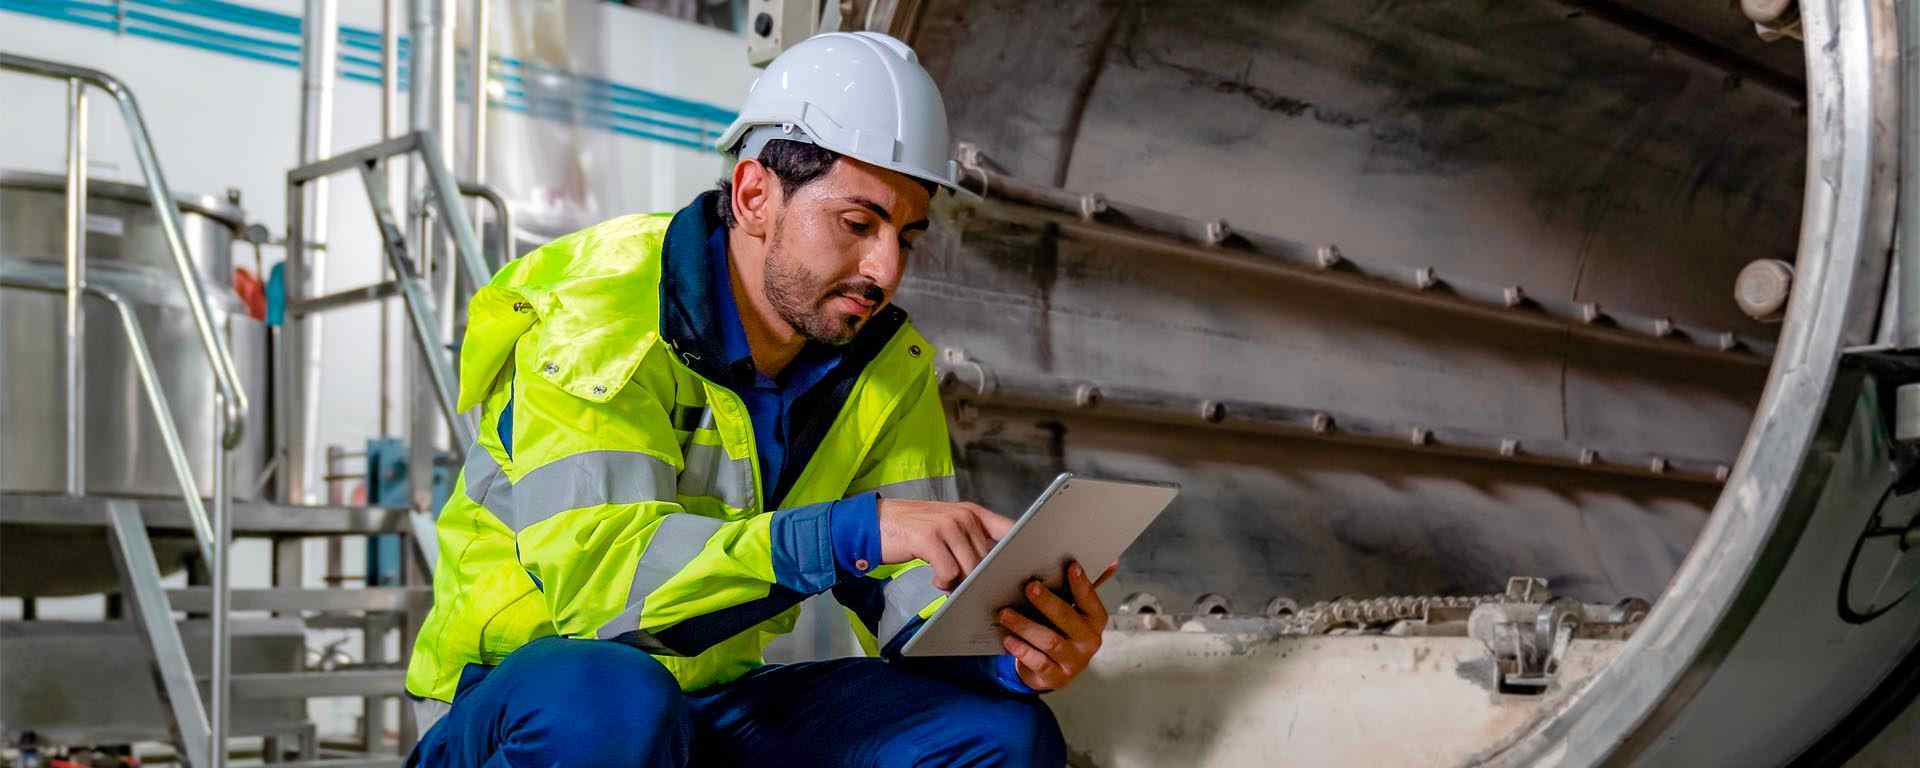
pixel 795 163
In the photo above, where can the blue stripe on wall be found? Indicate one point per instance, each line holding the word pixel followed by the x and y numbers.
pixel 270 37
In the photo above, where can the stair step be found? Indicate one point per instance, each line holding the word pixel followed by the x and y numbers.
pixel 249 517
pixel 200 599
pixel 305 685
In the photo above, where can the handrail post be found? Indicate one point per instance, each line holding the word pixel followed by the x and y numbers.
pixel 222 590
pixel 76 343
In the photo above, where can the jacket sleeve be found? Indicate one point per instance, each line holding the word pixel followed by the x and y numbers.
pixel 912 460
pixel 598 527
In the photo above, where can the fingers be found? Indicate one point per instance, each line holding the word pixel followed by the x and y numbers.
pixel 946 571
pixel 1112 568
pixel 1063 616
pixel 1039 635
pixel 982 541
pixel 1042 673
pixel 1084 597
pixel 996 525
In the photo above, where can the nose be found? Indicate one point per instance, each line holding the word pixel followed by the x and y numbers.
pixel 884 264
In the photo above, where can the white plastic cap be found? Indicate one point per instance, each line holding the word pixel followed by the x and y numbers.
pixel 861 94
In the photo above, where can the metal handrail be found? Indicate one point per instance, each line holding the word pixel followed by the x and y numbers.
pixel 219 356
pixel 230 400
pixel 502 217
pixel 156 397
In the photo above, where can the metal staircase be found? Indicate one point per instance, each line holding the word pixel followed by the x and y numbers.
pixel 199 723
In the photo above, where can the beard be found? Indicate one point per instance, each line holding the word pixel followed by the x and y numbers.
pixel 800 297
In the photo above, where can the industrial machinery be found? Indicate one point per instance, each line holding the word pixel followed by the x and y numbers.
pixel 1415 297
pixel 1540 374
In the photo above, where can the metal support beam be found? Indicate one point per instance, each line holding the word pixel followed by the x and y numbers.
pixel 345 298
pixel 173 676
pixel 973 383
pixel 1095 218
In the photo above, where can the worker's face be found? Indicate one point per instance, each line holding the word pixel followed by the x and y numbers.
pixel 838 247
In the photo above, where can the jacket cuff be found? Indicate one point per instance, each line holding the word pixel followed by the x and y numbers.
pixel 855 526
pixel 803 548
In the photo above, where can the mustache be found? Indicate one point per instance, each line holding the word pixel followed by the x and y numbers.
pixel 861 287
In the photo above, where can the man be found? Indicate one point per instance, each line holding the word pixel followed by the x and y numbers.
pixel 692 423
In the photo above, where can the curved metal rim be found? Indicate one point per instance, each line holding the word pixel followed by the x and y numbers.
pixel 209 206
pixel 1846 234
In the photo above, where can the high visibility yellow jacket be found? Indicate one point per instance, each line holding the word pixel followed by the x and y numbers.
pixel 632 505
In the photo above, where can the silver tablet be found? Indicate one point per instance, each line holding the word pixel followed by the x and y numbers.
pixel 1075 519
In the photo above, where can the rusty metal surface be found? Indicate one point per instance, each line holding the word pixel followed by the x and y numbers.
pixel 1501 142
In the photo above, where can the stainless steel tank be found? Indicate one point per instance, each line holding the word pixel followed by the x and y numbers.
pixel 124 454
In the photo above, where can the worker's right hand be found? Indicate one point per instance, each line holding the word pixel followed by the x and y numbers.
pixel 951 536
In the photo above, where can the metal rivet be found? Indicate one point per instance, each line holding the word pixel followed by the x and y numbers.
pixel 599 390
pixel 1588 456
pixel 1590 312
pixel 914 350
pixel 1328 255
pixel 550 369
pixel 1420 436
pixel 1515 296
pixel 1086 395
pixel 1426 278
pixel 861 565
pixel 1657 466
pixel 1218 231
pixel 1322 423
pixel 1212 411
pixel 1509 447
pixel 1663 327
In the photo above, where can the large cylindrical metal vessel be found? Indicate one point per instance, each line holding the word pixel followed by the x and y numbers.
pixel 124 454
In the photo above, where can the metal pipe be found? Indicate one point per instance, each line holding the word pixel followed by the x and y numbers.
pixel 1907 328
pixel 972 382
pixel 502 218
pixel 1093 217
pixel 422 432
pixel 218 713
pixel 480 59
pixel 76 345
pixel 390 20
pixel 156 396
pixel 319 61
pixel 219 357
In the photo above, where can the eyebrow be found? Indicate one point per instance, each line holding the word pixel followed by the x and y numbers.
pixel 881 211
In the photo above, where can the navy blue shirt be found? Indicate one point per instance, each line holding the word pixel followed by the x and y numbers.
pixel 853 523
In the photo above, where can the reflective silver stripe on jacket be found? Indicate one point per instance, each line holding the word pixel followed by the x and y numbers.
pixel 577 481
pixel 905 595
pixel 710 472
pixel 676 542
pixel 589 479
pixel 942 488
pixel 487 484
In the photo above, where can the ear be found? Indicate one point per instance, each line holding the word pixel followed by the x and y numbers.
pixel 756 197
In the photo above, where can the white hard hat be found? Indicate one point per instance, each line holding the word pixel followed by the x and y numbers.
pixel 861 94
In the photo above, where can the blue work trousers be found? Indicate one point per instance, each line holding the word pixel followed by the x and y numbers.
pixel 600 703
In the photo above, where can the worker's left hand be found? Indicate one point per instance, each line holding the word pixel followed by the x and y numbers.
pixel 1048 657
